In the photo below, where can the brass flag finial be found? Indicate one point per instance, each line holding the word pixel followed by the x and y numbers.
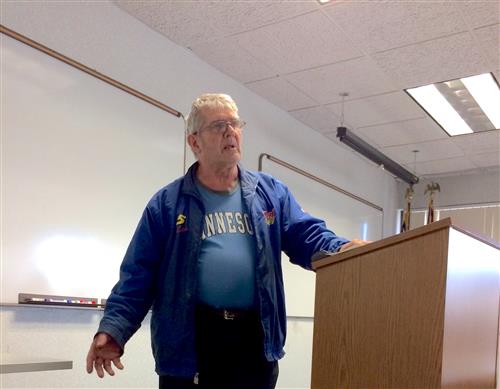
pixel 405 225
pixel 431 188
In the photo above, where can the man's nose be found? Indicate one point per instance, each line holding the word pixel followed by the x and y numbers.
pixel 230 130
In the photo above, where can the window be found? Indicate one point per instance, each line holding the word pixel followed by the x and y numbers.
pixel 483 220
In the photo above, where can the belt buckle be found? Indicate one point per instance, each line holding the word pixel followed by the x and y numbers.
pixel 228 315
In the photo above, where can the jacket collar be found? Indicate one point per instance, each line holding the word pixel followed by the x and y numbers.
pixel 188 185
pixel 248 181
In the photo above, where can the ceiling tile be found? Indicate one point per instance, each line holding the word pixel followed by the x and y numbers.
pixel 442 166
pixel 298 43
pixel 281 93
pixel 489 42
pixel 479 142
pixel 480 13
pixel 389 107
pixel 438 60
pixel 359 77
pixel 231 59
pixel 318 118
pixel 401 133
pixel 377 26
pixel 182 22
pixel 428 151
pixel 486 160
pixel 243 15
pixel 190 22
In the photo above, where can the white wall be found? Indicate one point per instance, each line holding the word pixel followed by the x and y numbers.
pixel 101 36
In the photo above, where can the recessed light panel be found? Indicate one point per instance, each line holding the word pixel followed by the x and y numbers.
pixel 462 106
pixel 485 91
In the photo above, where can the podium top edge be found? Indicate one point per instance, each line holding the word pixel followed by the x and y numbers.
pixel 391 240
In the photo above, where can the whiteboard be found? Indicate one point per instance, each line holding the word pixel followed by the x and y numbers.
pixel 79 161
pixel 346 216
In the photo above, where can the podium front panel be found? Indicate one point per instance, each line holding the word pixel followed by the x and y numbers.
pixel 379 317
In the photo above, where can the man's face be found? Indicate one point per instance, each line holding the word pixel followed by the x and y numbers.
pixel 217 144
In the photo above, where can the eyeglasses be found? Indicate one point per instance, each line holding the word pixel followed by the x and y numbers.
pixel 220 126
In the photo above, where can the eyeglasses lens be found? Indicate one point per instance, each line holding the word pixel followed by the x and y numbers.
pixel 221 125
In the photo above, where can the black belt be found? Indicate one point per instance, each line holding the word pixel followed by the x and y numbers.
pixel 227 313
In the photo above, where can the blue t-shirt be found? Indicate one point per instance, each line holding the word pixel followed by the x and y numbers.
pixel 226 264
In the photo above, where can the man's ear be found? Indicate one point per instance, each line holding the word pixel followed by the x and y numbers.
pixel 193 143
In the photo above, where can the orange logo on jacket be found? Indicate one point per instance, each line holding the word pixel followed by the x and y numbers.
pixel 269 216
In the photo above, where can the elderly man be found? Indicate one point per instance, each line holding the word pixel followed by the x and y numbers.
pixel 206 257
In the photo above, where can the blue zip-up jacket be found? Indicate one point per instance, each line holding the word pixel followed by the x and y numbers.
pixel 159 270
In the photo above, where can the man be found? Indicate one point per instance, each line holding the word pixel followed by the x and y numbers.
pixel 206 258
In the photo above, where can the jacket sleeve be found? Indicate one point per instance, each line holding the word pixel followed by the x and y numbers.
pixel 304 235
pixel 132 296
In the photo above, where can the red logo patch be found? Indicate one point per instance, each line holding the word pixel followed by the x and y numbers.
pixel 269 216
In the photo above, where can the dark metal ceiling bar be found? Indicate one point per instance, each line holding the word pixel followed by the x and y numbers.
pixel 370 152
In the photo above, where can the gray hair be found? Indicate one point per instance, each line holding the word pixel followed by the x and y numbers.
pixel 210 101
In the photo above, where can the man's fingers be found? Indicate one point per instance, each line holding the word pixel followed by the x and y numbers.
pixel 353 244
pixel 118 363
pixel 103 352
pixel 108 368
pixel 98 367
pixel 91 356
pixel 90 361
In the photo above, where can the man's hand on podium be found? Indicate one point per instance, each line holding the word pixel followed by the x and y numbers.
pixel 352 244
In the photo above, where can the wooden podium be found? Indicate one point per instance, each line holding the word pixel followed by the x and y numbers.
pixel 416 310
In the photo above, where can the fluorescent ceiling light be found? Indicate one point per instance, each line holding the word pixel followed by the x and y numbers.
pixel 462 106
pixel 438 107
pixel 487 94
pixel 323 1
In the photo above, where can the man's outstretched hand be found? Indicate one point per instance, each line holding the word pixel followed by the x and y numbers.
pixel 103 351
